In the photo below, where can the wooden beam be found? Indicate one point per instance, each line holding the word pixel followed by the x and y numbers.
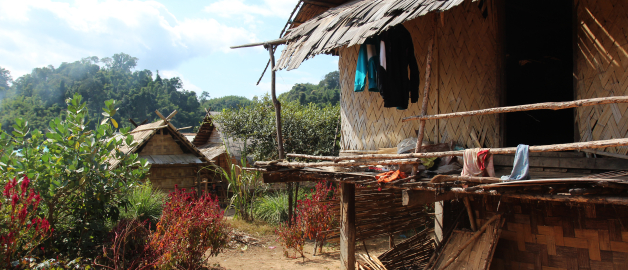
pixel 320 3
pixel 172 114
pixel 604 153
pixel 522 108
pixel 347 226
pixel 494 151
pixel 303 175
pixel 133 122
pixel 184 128
pixel 411 198
pixel 567 162
pixel 339 164
pixel 161 116
pixel 467 204
pixel 270 42
pixel 426 91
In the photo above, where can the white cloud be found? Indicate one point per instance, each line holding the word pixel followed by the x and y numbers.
pixel 42 32
pixel 269 8
pixel 187 85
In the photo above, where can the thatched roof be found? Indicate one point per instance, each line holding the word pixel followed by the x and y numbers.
pixel 142 134
pixel 349 24
pixel 210 141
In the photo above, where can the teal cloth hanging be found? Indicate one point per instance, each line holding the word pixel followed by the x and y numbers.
pixel 366 67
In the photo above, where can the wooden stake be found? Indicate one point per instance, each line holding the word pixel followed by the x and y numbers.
pixel 347 226
pixel 426 90
pixel 522 108
pixel 475 236
pixel 467 204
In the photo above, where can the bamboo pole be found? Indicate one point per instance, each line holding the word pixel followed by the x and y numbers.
pixel 426 90
pixel 494 151
pixel 340 164
pixel 467 204
pixel 475 236
pixel 527 107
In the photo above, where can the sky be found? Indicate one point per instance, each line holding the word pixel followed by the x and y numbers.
pixel 189 39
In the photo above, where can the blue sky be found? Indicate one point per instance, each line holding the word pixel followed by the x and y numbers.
pixel 189 39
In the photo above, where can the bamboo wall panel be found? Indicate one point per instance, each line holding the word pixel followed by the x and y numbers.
pixel 463 78
pixel 165 178
pixel 551 235
pixel 161 144
pixel 601 63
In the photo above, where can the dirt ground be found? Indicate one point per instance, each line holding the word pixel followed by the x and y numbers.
pixel 268 253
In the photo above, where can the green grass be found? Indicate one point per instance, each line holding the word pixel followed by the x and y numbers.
pixel 145 203
pixel 272 208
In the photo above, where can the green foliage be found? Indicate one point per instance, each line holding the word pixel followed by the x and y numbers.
pixel 71 167
pixel 245 186
pixel 226 102
pixel 327 91
pixel 40 95
pixel 145 204
pixel 272 208
pixel 307 129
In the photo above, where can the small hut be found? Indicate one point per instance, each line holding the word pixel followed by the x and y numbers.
pixel 494 74
pixel 174 160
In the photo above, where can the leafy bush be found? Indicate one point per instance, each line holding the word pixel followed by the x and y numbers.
pixel 189 227
pixel 144 204
pixel 272 208
pixel 21 231
pixel 81 174
pixel 245 186
pixel 307 129
pixel 313 218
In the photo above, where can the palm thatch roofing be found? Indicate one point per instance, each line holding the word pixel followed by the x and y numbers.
pixel 142 134
pixel 349 24
pixel 211 142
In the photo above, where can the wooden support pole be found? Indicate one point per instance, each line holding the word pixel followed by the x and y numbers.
pixel 347 226
pixel 391 241
pixel 494 151
pixel 522 108
pixel 467 204
pixel 426 90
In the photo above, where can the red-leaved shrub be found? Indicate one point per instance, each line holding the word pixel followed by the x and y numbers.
pixel 127 247
pixel 190 227
pixel 312 220
pixel 21 231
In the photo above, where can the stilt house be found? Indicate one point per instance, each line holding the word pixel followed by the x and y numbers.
pixel 493 74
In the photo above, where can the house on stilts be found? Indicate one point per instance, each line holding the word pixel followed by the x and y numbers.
pixel 485 76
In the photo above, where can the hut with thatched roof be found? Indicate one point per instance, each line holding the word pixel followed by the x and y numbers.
pixel 493 74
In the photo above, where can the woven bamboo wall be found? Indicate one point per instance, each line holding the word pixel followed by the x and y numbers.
pixel 464 67
pixel 552 235
pixel 601 62
pixel 166 177
pixel 161 144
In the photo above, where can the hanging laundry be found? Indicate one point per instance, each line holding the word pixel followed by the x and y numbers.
pixel 521 166
pixel 390 176
pixel 366 67
pixel 478 162
pixel 394 82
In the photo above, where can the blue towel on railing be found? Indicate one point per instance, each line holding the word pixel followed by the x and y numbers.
pixel 521 165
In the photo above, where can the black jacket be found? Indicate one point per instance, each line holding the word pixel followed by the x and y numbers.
pixel 394 84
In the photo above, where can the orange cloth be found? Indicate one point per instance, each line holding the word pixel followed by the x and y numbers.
pixel 390 176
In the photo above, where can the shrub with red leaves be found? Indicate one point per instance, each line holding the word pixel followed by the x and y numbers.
pixel 127 247
pixel 312 220
pixel 21 230
pixel 190 226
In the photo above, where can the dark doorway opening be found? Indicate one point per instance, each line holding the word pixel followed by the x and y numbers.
pixel 539 68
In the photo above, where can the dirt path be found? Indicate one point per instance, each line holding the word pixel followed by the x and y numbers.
pixel 269 254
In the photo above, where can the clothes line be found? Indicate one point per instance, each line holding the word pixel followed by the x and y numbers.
pixel 495 151
pixel 522 108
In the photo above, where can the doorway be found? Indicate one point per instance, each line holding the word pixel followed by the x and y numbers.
pixel 539 68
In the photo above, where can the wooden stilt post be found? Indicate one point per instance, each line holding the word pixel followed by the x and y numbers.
pixel 277 104
pixel 347 226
